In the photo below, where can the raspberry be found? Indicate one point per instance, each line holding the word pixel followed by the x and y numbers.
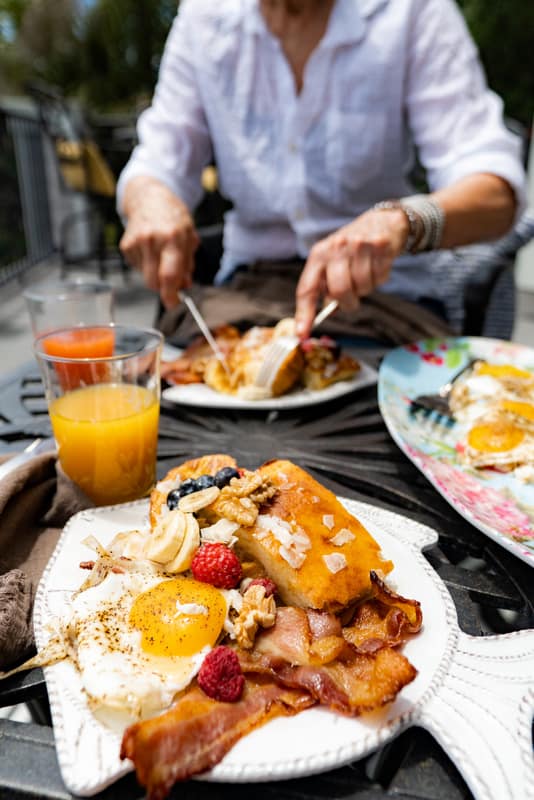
pixel 220 675
pixel 267 583
pixel 215 563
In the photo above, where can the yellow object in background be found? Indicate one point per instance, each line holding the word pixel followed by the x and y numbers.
pixel 84 168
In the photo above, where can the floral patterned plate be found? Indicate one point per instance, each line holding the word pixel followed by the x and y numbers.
pixel 498 504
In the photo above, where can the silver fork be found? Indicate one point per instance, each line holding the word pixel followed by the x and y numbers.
pixel 439 402
pixel 281 347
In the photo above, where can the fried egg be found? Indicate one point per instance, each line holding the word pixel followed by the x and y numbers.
pixel 481 389
pixel 140 638
pixel 499 443
pixel 495 405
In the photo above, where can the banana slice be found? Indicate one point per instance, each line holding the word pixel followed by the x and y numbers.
pixel 197 500
pixel 167 537
pixel 190 544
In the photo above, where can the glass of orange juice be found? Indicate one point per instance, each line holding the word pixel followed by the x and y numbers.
pixel 104 407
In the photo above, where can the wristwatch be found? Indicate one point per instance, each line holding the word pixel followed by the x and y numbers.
pixel 426 220
pixel 415 223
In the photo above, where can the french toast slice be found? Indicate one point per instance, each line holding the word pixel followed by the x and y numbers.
pixel 318 554
pixel 244 362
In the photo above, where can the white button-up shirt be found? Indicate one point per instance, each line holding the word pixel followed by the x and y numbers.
pixel 389 79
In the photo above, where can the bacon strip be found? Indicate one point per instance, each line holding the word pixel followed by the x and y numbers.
pixel 197 732
pixel 308 650
pixel 361 682
pixel 364 683
pixel 304 659
pixel 386 620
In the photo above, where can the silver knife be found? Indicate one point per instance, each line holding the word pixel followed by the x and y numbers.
pixel 35 448
pixel 201 322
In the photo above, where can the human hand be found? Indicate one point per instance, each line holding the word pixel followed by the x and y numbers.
pixel 350 263
pixel 160 237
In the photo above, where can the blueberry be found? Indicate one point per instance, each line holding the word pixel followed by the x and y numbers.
pixel 187 487
pixel 173 498
pixel 204 482
pixel 224 476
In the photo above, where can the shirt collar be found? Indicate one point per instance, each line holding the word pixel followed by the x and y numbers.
pixel 346 21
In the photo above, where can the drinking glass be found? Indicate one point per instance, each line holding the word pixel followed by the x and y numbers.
pixel 55 303
pixel 104 408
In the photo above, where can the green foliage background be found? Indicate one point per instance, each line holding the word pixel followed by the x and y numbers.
pixel 106 52
pixel 504 33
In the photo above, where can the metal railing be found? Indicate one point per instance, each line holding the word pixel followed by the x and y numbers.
pixel 28 202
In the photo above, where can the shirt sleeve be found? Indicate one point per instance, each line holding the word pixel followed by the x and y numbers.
pixel 456 120
pixel 174 143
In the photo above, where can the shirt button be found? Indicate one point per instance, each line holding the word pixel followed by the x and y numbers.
pixel 299 214
pixel 292 147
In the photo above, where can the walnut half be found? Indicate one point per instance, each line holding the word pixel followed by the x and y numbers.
pixel 240 499
pixel 257 610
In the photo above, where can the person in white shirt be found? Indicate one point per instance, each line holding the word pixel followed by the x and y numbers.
pixel 315 112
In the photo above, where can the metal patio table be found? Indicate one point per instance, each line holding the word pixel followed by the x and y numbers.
pixel 345 444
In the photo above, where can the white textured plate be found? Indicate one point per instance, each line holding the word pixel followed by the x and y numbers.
pixel 475 695
pixel 198 394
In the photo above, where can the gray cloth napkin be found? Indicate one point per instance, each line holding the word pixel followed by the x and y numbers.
pixel 36 500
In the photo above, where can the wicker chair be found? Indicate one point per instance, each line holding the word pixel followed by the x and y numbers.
pixel 480 283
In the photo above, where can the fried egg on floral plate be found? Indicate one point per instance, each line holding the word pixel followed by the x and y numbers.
pixel 495 404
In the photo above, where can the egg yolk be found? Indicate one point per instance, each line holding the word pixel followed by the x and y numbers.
pixel 525 410
pixel 495 438
pixel 178 617
pixel 503 371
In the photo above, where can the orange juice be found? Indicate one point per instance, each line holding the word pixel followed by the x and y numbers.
pixel 107 440
pixel 80 343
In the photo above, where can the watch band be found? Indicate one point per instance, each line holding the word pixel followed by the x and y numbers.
pixel 433 219
pixel 415 227
pixel 426 221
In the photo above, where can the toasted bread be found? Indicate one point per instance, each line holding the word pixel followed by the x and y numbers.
pixel 191 365
pixel 245 360
pixel 325 363
pixel 306 523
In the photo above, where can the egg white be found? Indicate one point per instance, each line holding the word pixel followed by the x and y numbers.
pixel 116 673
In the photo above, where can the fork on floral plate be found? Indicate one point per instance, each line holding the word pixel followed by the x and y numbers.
pixel 282 346
pixel 439 401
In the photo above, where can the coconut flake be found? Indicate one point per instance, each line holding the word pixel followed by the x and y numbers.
pixel 293 540
pixel 301 540
pixel 190 608
pixel 335 562
pixel 222 531
pixel 293 557
pixel 328 521
pixel 342 537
